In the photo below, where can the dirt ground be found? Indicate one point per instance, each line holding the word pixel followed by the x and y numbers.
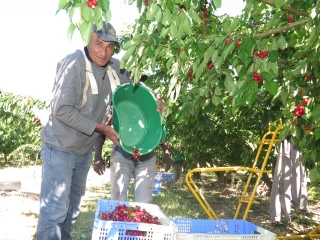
pixel 19 208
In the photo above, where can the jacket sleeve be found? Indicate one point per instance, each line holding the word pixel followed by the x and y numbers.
pixel 69 85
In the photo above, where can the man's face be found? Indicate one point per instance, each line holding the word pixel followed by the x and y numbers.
pixel 99 50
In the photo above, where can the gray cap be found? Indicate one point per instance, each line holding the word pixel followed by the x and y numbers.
pixel 106 33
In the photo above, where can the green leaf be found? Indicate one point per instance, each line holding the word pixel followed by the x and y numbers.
pixel 150 52
pixel 194 16
pixel 215 100
pixel 169 63
pixel 71 29
pixel 229 49
pixel 167 17
pixel 201 46
pixel 316 114
pixel 62 4
pixel 243 55
pixel 75 14
pixel 152 11
pixel 273 56
pixel 86 31
pixel 274 68
pixel 274 45
pixel 317 134
pixel 104 4
pixel 214 57
pixel 279 3
pixel 128 44
pixel 97 14
pixel 271 86
pixel 187 25
pixel 249 45
pixel 217 3
pixel 86 12
pixel 139 5
pixel 128 53
pixel 314 175
pixel 164 32
pixel 229 82
pixel 158 15
pixel 208 53
pixel 233 25
pixel 217 91
pixel 251 93
pixel 107 15
pixel 282 42
pixel 173 29
pixel 170 5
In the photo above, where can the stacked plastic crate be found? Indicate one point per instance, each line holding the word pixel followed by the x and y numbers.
pixel 220 229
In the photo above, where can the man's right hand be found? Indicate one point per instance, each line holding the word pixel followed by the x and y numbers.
pixel 99 166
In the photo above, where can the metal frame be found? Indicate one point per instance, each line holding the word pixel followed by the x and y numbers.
pixel 268 139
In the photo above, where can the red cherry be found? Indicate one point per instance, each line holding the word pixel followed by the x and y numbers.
pixel 90 3
pixel 296 123
pixel 290 19
pixel 305 101
pixel 256 74
pixel 297 114
pixel 256 53
pixel 226 42
pixel 210 65
pixel 299 91
pixel 94 2
pixel 206 22
pixel 307 128
pixel 239 43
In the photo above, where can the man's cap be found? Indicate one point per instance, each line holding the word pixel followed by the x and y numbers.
pixel 106 33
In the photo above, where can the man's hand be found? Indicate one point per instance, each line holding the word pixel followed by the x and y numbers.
pixel 161 105
pixel 109 132
pixel 99 166
pixel 167 161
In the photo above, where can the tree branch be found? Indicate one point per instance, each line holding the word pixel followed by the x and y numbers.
pixel 281 29
pixel 286 8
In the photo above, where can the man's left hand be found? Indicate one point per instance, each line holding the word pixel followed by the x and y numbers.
pixel 161 105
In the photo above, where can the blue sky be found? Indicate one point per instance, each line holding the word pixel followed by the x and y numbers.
pixel 34 39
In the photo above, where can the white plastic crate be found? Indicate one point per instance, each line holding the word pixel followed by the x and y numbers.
pixel 116 230
pixel 189 229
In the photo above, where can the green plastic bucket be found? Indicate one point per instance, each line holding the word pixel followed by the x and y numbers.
pixel 136 119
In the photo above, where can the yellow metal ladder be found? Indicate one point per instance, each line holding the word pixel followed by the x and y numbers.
pixel 268 139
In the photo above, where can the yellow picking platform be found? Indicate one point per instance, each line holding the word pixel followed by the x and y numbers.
pixel 267 140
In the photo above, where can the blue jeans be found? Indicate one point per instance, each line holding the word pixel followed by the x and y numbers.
pixel 121 171
pixel 63 185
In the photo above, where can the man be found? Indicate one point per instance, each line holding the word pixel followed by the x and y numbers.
pixel 81 96
pixel 177 167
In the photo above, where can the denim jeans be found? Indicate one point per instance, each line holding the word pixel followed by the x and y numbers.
pixel 63 185
pixel 121 171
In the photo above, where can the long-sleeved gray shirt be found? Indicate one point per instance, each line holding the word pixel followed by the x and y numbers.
pixel 69 127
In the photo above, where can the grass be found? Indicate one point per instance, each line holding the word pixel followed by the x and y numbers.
pixel 178 201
